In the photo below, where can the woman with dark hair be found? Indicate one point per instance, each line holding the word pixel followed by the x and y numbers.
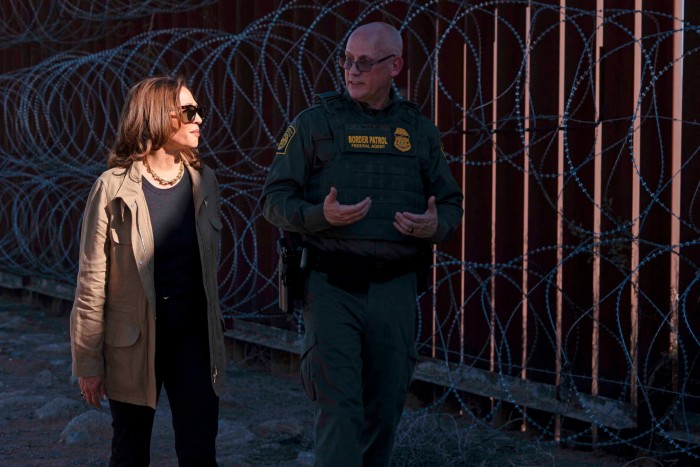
pixel 146 312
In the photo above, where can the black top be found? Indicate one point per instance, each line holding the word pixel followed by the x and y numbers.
pixel 177 265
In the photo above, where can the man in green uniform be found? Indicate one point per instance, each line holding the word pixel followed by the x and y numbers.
pixel 363 180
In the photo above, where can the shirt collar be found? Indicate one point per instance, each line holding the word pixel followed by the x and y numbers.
pixel 362 107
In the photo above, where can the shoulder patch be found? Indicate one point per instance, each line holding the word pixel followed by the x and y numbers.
pixel 286 138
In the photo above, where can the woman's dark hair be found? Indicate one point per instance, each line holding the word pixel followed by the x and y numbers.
pixel 146 123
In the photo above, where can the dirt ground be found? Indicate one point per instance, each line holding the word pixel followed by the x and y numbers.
pixel 265 418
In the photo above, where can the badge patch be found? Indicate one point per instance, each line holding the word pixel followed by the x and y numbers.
pixel 286 138
pixel 401 140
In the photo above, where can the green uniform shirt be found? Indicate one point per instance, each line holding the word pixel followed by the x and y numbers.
pixel 308 142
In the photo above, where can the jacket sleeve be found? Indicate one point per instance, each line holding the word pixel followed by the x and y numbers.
pixel 440 183
pixel 87 314
pixel 282 198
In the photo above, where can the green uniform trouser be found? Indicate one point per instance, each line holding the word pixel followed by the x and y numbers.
pixel 357 363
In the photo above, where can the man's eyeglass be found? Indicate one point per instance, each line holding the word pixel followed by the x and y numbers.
pixel 362 65
pixel 189 113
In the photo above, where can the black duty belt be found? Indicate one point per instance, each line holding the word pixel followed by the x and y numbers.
pixel 354 268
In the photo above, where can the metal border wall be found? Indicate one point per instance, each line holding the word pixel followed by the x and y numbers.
pixel 570 124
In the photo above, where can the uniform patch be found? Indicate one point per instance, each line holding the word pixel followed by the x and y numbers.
pixel 286 138
pixel 402 140
pixel 367 141
pixel 367 137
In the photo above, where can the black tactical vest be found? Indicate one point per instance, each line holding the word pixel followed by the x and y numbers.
pixel 379 157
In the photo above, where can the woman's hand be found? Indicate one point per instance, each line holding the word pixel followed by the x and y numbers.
pixel 92 389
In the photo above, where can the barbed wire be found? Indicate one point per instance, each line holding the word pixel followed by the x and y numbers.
pixel 54 24
pixel 60 119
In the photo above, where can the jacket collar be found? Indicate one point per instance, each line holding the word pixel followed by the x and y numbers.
pixel 131 189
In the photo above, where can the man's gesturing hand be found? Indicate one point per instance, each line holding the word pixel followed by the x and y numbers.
pixel 418 225
pixel 344 214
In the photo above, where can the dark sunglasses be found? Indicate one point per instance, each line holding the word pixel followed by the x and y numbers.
pixel 189 113
pixel 362 65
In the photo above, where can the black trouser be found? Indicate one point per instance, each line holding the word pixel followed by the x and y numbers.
pixel 182 366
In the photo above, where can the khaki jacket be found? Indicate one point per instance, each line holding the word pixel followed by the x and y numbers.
pixel 112 323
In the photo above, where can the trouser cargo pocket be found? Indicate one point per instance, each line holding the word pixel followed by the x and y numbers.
pixel 309 365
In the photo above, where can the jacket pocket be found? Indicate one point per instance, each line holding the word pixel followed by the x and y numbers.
pixel 120 235
pixel 215 222
pixel 324 149
pixel 308 365
pixel 212 233
pixel 126 360
pixel 119 334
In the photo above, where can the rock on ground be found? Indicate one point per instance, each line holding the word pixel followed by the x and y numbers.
pixel 264 419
